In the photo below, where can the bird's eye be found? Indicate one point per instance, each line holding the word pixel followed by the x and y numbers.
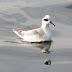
pixel 45 19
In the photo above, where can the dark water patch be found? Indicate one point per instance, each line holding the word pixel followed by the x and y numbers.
pixel 69 7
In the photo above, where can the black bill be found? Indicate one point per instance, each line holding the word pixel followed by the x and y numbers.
pixel 52 23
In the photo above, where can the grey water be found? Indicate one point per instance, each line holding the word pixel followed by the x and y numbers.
pixel 19 56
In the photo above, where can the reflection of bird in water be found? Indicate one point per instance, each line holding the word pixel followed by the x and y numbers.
pixel 47 62
pixel 45 46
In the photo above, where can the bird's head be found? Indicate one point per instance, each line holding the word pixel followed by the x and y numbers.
pixel 47 20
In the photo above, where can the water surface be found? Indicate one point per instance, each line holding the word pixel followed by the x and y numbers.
pixel 18 56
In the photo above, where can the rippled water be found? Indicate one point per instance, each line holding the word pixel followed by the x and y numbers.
pixel 19 56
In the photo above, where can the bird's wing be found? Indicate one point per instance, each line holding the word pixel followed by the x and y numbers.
pixel 22 33
pixel 30 32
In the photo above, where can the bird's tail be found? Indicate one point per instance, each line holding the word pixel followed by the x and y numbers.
pixel 18 32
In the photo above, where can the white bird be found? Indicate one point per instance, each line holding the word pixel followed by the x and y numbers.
pixel 37 35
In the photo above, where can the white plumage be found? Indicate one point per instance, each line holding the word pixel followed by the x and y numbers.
pixel 37 35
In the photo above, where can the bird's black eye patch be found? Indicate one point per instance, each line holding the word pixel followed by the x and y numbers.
pixel 45 19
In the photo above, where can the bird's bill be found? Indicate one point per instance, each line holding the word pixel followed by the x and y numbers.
pixel 52 23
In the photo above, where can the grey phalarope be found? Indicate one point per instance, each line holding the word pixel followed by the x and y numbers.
pixel 37 35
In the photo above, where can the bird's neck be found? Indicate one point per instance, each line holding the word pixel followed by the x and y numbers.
pixel 45 26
